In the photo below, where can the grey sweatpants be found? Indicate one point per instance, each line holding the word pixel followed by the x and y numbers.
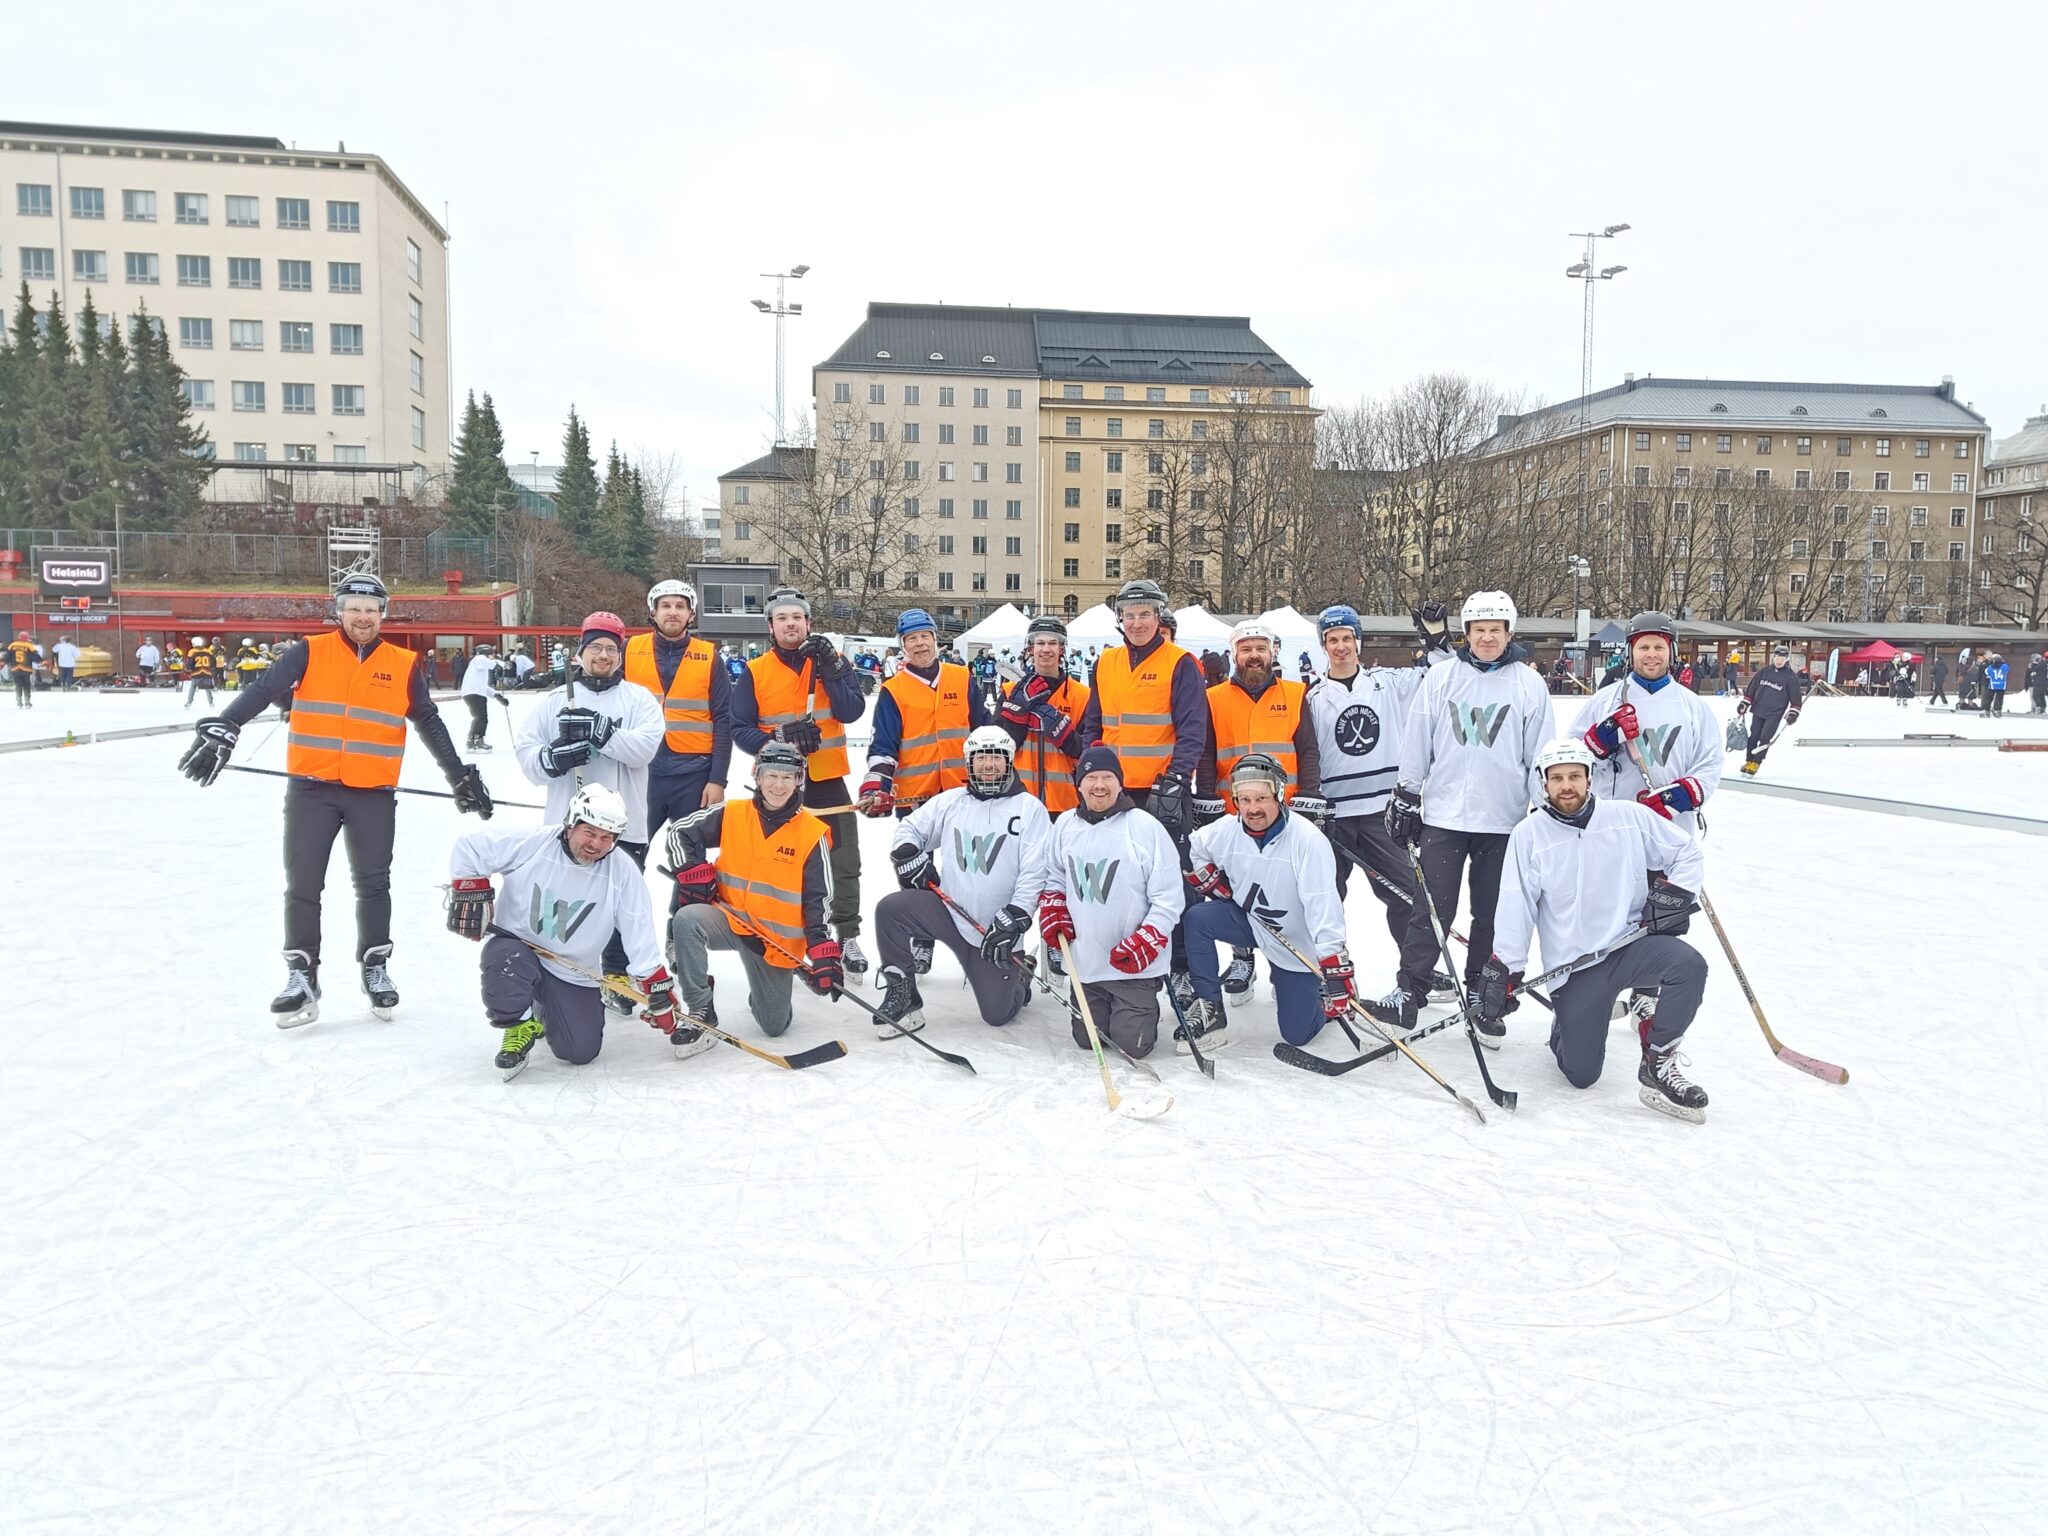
pixel 696 930
pixel 517 985
pixel 1124 1010
pixel 1578 1034
pixel 842 857
pixel 999 991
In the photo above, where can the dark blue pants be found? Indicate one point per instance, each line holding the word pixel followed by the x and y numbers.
pixel 675 789
pixel 1661 962
pixel 1299 995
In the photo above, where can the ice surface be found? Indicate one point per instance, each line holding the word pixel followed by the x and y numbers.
pixel 346 1279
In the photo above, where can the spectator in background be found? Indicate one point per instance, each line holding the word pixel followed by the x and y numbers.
pixel 1995 676
pixel 65 655
pixel 2037 683
pixel 1940 695
pixel 148 658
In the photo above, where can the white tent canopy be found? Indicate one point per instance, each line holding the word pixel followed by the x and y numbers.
pixel 1095 627
pixel 1296 630
pixel 1004 627
pixel 1199 630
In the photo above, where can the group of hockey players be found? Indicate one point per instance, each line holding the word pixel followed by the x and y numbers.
pixel 1153 826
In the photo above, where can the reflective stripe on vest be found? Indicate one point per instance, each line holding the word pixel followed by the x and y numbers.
pixel 1266 724
pixel 783 696
pixel 1137 710
pixel 348 715
pixel 686 703
pixel 762 874
pixel 931 752
pixel 1042 768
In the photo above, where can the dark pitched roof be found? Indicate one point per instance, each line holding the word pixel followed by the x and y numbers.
pixel 1717 404
pixel 136 136
pixel 961 335
pixel 782 463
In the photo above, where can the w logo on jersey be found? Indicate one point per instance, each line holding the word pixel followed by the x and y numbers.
pixel 977 853
pixel 557 920
pixel 1478 725
pixel 1091 881
pixel 1656 742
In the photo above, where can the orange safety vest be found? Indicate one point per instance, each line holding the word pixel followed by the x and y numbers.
pixel 1137 710
pixel 1265 724
pixel 348 715
pixel 1044 769
pixel 687 704
pixel 782 696
pixel 762 874
pixel 931 752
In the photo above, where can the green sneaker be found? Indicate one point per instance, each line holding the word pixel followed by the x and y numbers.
pixel 520 1040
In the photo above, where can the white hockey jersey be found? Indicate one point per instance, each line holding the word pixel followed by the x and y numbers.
pixel 1679 736
pixel 561 905
pixel 1578 891
pixel 1360 723
pixel 1291 880
pixel 990 853
pixel 480 677
pixel 1471 745
pixel 1118 874
pixel 620 764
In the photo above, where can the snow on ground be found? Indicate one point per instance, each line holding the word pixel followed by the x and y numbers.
pixel 345 1278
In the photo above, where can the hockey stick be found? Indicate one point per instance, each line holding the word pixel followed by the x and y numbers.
pixel 1500 1096
pixel 838 993
pixel 1095 1040
pixel 1352 1004
pixel 431 794
pixel 1031 973
pixel 829 1051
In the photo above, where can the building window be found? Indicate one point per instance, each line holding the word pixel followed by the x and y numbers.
pixel 348 399
pixel 415 318
pixel 912 468
pixel 1073 426
pixel 945 581
pixel 419 428
pixel 138 207
pixel 1920 480
pixel 945 432
pixel 1723 442
pixel 1070 533
pixel 878 394
pixel 1884 447
pixel 89 266
pixel 88 203
pixel 1917 517
pixel 741 528
pixel 295 336
pixel 1070 568
pixel 344 218
pixel 945 506
pixel 1016 399
pixel 1955 549
pixel 979 509
pixel 1642 442
pixel 1013 581
pixel 245 335
pixel 245 272
pixel 1763 443
pixel 142 267
pixel 417 373
pixel 1114 426
pixel 1113 462
pixel 1958 517
pixel 981 437
pixel 248 394
pixel 294 213
pixel 295 276
pixel 1642 477
pixel 1013 511
pixel 38 263
pixel 412 261
pixel 32 200
pixel 251 453
pixel 243 213
pixel 1802 479
pixel 301 453
pixel 978 545
pixel 1013 474
pixel 1073 462
pixel 1799 549
pixel 297 399
pixel 981 399
pixel 1113 533
pixel 1070 392
pixel 191 207
pixel 878 432
pixel 1962 448
pixel 344 277
pixel 1071 496
pixel 1198 397
pixel 945 394
pixel 1013 437
pixel 1959 482
pixel 842 394
pixel 195 271
pixel 1683 442
pixel 1841 479
pixel 198 393
pixel 1013 546
pixel 195 333
pixel 1113 500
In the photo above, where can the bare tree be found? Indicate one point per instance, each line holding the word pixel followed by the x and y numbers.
pixel 2018 568
pixel 1168 531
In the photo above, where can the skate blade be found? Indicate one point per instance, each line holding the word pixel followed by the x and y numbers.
pixel 508 1073
pixel 303 1016
pixel 1210 1044
pixel 1491 1042
pixel 685 1049
pixel 382 1015
pixel 1652 1099
pixel 896 1029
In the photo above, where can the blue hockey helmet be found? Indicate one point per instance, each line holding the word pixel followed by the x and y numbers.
pixel 911 620
pixel 1340 616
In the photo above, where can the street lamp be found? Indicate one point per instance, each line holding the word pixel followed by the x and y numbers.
pixel 1584 273
pixel 1581 567
pixel 779 309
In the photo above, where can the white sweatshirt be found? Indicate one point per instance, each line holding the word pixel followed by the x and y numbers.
pixel 1118 874
pixel 1360 723
pixel 1291 881
pixel 1472 742
pixel 480 677
pixel 990 853
pixel 1679 736
pixel 1578 891
pixel 561 905
pixel 621 763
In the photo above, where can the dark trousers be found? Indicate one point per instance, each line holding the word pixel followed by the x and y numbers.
pixel 64 679
pixel 615 948
pixel 1670 967
pixel 24 690
pixel 842 861
pixel 1297 995
pixel 1940 691
pixel 1994 701
pixel 367 819
pixel 479 716
pixel 1763 729
pixel 517 986
pixel 903 916
pixel 1362 841
pixel 1445 854
pixel 675 789
pixel 1125 1011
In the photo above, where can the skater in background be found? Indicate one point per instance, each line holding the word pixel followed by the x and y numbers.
pixel 1995 674
pixel 1773 698
pixel 1940 694
pixel 479 687
pixel 23 657
pixel 352 694
pixel 64 657
pixel 1902 683
pixel 202 666
pixel 148 658
pixel 2037 683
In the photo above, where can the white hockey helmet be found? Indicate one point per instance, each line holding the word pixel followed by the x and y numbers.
pixel 663 589
pixel 982 740
pixel 1488 605
pixel 1253 629
pixel 599 806
pixel 1566 749
pixel 198 640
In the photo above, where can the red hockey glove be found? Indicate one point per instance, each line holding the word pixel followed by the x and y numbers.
pixel 878 793
pixel 469 907
pixel 1055 922
pixel 697 884
pixel 1208 880
pixel 1139 950
pixel 1679 795
pixel 823 973
pixel 660 1008
pixel 1605 737
pixel 1340 984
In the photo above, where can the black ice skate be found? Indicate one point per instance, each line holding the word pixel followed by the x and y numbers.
pixel 1237 976
pixel 1203 1023
pixel 688 1040
pixel 299 1002
pixel 902 1009
pixel 1666 1089
pixel 852 958
pixel 920 957
pixel 1397 1010
pixel 377 985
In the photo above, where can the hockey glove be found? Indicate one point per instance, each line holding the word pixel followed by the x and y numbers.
pixel 470 795
pixel 558 758
pixel 205 758
pixel 1013 711
pixel 1604 738
pixel 601 731
pixel 915 868
pixel 1314 807
pixel 826 662
pixel 1051 723
pixel 1792 715
pixel 1494 997
pixel 1340 984
pixel 878 792
pixel 1742 706
pixel 1679 795
pixel 697 884
pixel 802 734
pixel 1669 908
pixel 823 973
pixel 1433 626
pixel 1208 880
pixel 1171 805
pixel 575 725
pixel 660 1008
pixel 501 698
pixel 470 906
pixel 1139 950
pixel 1404 817
pixel 1055 922
pixel 999 943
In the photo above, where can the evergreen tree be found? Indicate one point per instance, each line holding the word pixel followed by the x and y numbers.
pixel 92 488
pixel 17 362
pixel 166 456
pixel 576 484
pixel 481 489
pixel 50 424
pixel 622 539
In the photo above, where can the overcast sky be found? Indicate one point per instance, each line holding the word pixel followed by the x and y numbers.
pixel 1817 193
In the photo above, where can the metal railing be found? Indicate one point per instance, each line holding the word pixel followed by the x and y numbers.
pixel 298 559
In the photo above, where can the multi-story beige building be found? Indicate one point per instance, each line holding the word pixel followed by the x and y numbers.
pixel 305 294
pixel 2009 545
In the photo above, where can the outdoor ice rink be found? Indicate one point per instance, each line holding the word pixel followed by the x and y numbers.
pixel 346 1279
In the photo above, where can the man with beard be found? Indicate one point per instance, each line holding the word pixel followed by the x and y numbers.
pixel 1648 713
pixel 684 673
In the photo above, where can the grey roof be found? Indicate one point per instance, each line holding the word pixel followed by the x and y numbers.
pixel 1061 343
pixel 1716 404
pixel 2029 445
pixel 780 463
pixel 135 136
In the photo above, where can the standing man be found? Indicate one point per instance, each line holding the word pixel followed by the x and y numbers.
pixel 1995 675
pixel 801 690
pixel 479 687
pixel 1673 728
pixel 985 844
pixel 771 870
pixel 598 728
pixel 351 695
pixel 1774 697
pixel 683 672
pixel 922 717
pixel 1574 880
pixel 1042 713
pixel 1940 694
pixel 2037 683
pixel 65 654
pixel 202 663
pixel 1148 704
pixel 23 654
pixel 1113 892
pixel 249 663
pixel 1467 764
pixel 148 658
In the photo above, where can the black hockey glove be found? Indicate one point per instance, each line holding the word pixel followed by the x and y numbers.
pixel 1172 805
pixel 564 757
pixel 915 869
pixel 999 944
pixel 1669 908
pixel 207 755
pixel 1495 995
pixel 501 698
pixel 1404 817
pixel 826 662
pixel 575 725
pixel 802 734
pixel 602 730
pixel 469 906
pixel 470 795
pixel 1433 625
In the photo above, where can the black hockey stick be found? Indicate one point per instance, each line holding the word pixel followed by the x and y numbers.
pixel 1500 1096
pixel 431 794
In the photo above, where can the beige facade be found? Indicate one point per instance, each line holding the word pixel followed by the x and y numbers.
pixel 304 294
pixel 2009 544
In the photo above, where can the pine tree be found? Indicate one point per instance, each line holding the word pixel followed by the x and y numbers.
pixel 17 363
pixel 480 487
pixel 167 456
pixel 91 483
pixel 50 424
pixel 576 484
pixel 611 540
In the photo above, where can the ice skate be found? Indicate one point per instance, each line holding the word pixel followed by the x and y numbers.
pixel 299 1002
pixel 902 1009
pixel 1237 976
pixel 520 1039
pixel 614 998
pixel 377 986
pixel 688 1040
pixel 1666 1089
pixel 1203 1023
pixel 1397 1010
pixel 852 958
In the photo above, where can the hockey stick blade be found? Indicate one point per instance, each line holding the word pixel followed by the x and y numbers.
pixel 1826 1071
